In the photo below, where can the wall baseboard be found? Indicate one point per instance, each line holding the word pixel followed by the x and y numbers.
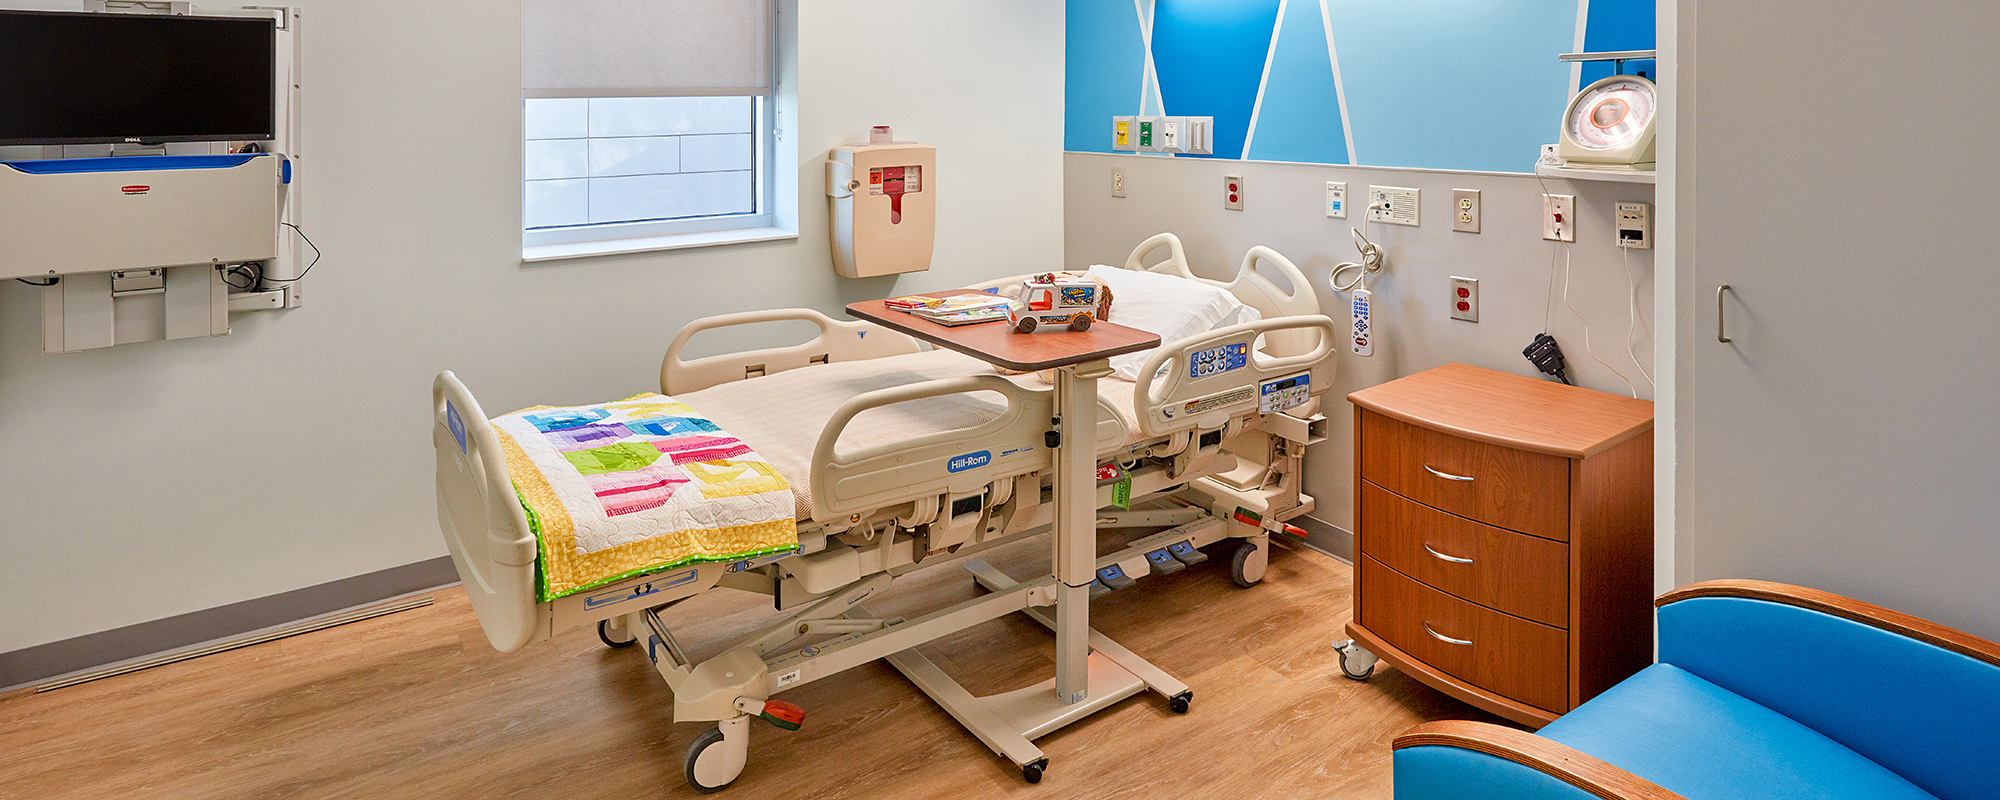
pixel 1327 537
pixel 91 651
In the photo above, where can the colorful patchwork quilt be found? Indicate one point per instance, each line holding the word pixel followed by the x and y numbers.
pixel 639 485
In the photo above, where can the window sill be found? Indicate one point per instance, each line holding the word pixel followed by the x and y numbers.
pixel 679 241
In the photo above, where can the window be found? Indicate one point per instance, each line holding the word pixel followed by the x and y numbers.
pixel 645 120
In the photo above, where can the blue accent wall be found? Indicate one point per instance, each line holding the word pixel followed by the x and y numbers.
pixel 1309 129
pixel 1619 25
pixel 1437 84
pixel 1209 56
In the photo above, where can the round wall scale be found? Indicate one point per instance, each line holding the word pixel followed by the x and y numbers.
pixel 1609 125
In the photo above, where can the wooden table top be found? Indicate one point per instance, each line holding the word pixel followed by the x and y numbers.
pixel 995 343
pixel 1510 410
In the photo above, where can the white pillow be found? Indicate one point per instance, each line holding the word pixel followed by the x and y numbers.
pixel 1168 305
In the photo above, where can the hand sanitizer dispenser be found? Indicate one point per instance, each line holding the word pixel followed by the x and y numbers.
pixel 883 198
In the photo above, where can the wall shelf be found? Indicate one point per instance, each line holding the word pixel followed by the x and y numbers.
pixel 1610 175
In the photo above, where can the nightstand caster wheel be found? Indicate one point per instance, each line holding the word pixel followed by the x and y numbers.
pixel 1179 703
pixel 1032 773
pixel 1026 325
pixel 604 635
pixel 1355 661
pixel 715 758
pixel 1247 568
pixel 1080 323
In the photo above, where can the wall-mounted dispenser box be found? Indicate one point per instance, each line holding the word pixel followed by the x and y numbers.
pixel 883 199
pixel 138 212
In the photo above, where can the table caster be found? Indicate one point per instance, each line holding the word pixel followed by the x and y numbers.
pixel 1179 703
pixel 1032 773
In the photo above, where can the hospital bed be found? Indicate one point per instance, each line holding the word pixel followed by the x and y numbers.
pixel 864 424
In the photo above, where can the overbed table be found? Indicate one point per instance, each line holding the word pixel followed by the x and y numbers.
pixel 1092 671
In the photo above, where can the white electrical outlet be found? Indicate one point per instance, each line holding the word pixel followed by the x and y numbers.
pixel 1336 199
pixel 1635 225
pixel 1394 205
pixel 1232 192
pixel 1559 217
pixel 1465 210
pixel 1117 183
pixel 1465 298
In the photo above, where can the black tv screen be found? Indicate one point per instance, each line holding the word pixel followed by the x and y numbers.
pixel 93 78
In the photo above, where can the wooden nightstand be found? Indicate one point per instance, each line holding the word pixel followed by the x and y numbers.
pixel 1503 537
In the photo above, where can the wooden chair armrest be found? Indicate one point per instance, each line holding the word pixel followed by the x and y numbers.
pixel 1558 760
pixel 1845 607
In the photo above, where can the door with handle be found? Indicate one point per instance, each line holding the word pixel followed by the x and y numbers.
pixel 1841 427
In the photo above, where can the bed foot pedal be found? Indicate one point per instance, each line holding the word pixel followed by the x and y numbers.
pixel 1164 562
pixel 1114 577
pixel 1186 553
pixel 787 716
pixel 1098 589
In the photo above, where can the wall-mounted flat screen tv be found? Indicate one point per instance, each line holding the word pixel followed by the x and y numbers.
pixel 94 78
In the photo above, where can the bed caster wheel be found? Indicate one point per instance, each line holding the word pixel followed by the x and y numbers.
pixel 1355 661
pixel 1026 325
pixel 1080 323
pixel 1247 568
pixel 1179 703
pixel 1032 773
pixel 713 761
pixel 604 635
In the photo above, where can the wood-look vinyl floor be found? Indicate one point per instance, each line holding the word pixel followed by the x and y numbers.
pixel 418 705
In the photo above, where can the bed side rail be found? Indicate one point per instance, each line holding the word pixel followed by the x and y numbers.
pixel 481 519
pixel 838 340
pixel 1202 381
pixel 945 462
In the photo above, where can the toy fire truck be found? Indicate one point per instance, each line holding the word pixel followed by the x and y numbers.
pixel 1051 300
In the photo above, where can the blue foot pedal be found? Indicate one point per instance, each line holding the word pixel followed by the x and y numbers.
pixel 1164 562
pixel 1185 552
pixel 1114 577
pixel 1098 589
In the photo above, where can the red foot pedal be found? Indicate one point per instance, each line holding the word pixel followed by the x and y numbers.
pixel 784 715
pixel 1294 530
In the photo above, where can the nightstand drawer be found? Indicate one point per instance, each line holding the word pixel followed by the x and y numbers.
pixel 1509 656
pixel 1512 572
pixel 1515 489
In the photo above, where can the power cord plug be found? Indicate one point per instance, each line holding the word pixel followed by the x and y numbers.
pixel 1547 356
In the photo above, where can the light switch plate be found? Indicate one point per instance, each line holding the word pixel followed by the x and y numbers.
pixel 1336 199
pixel 1559 217
pixel 1465 298
pixel 1465 210
pixel 1394 205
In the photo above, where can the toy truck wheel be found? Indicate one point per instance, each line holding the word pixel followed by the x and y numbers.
pixel 1080 323
pixel 604 635
pixel 1026 325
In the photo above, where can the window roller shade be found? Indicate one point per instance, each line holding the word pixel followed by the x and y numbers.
pixel 645 48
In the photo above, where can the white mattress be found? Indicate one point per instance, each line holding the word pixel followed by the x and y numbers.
pixel 782 415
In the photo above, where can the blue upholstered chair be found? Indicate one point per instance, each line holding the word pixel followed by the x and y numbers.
pixel 1763 691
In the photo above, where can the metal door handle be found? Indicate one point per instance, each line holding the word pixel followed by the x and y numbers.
pixel 1441 556
pixel 1446 475
pixel 1719 335
pixel 1443 638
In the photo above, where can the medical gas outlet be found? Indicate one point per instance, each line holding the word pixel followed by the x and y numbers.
pixel 882 196
pixel 1190 135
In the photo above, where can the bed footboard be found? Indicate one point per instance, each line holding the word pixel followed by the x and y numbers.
pixel 481 519
pixel 837 341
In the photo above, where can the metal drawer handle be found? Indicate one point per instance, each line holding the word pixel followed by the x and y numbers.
pixel 1443 638
pixel 1441 556
pixel 1446 475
